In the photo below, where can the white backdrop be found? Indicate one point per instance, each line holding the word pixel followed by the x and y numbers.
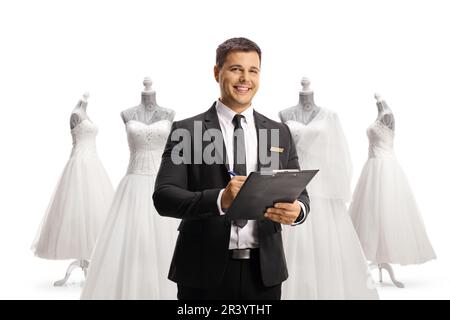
pixel 53 51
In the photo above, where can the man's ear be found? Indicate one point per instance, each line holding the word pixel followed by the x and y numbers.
pixel 216 72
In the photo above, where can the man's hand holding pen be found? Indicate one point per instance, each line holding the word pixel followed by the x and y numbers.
pixel 232 189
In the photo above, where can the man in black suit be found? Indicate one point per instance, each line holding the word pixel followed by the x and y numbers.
pixel 215 258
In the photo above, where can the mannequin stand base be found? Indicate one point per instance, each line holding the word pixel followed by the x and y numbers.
pixel 388 268
pixel 83 264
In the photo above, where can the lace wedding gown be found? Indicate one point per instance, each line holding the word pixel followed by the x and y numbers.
pixel 383 210
pixel 324 256
pixel 79 204
pixel 132 256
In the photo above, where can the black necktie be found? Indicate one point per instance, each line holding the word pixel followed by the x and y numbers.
pixel 239 163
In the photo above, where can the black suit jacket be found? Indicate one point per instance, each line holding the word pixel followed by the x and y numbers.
pixel 189 192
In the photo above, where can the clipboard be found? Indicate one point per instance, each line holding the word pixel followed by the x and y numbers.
pixel 262 190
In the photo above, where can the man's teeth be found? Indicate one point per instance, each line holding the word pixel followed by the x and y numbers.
pixel 242 89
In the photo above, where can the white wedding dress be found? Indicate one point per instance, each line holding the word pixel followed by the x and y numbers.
pixel 384 211
pixel 324 256
pixel 79 204
pixel 132 256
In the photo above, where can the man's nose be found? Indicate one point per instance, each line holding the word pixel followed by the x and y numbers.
pixel 244 76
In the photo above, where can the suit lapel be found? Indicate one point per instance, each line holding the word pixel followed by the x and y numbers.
pixel 261 123
pixel 211 121
pixel 265 226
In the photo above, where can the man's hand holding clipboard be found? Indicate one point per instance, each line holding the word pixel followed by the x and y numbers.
pixel 266 195
pixel 284 212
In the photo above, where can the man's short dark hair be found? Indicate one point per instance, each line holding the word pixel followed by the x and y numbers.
pixel 235 44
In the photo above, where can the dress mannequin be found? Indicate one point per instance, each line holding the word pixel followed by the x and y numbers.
pixel 147 111
pixel 305 110
pixel 324 259
pixel 383 209
pixel 78 114
pixel 132 255
pixel 386 117
pixel 80 201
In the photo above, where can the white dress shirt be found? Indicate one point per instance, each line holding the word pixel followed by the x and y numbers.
pixel 246 237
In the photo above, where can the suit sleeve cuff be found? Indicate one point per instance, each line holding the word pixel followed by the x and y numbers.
pixel 301 218
pixel 219 202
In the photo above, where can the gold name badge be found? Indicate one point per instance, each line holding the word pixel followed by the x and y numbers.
pixel 276 149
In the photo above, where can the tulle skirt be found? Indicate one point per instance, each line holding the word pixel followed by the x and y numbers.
pixel 324 256
pixel 132 255
pixel 386 216
pixel 76 211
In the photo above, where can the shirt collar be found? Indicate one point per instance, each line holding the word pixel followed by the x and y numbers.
pixel 227 114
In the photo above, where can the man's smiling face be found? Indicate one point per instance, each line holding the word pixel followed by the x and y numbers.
pixel 238 79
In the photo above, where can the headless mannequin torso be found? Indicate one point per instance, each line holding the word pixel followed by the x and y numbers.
pixel 79 112
pixel 385 115
pixel 305 110
pixel 147 111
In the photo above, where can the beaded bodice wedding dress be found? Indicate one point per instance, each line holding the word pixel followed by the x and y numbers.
pixel 384 211
pixel 131 259
pixel 80 202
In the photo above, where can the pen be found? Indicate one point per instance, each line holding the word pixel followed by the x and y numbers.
pixel 231 173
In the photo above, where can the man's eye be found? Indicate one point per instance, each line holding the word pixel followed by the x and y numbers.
pixel 234 69
pixel 254 71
